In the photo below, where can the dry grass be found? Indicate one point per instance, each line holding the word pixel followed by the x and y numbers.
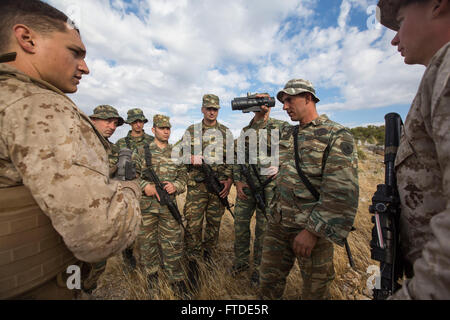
pixel 117 283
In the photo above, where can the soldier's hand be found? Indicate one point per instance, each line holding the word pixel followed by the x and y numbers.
pixel 196 160
pixel 225 191
pixel 150 191
pixel 304 243
pixel 169 187
pixel 239 190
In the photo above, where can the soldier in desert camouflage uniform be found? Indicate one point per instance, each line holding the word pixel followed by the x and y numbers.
pixel 136 137
pixel 303 227
pixel 106 119
pixel 159 226
pixel 54 166
pixel 423 157
pixel 245 201
pixel 200 203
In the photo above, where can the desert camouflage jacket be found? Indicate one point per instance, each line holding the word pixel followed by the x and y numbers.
pixel 165 168
pixel 51 147
pixel 135 142
pixel 328 158
pixel 268 127
pixel 423 179
pixel 208 147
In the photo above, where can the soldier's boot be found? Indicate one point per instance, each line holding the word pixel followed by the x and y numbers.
pixel 129 259
pixel 254 278
pixel 180 290
pixel 193 275
pixel 237 269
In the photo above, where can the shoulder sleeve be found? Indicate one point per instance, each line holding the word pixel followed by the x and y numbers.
pixel 63 163
pixel 335 212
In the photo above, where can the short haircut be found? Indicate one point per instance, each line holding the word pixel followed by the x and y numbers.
pixel 35 14
pixel 311 96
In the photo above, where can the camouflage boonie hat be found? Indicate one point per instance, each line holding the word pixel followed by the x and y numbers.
pixel 387 13
pixel 106 112
pixel 211 101
pixel 135 114
pixel 161 121
pixel 297 86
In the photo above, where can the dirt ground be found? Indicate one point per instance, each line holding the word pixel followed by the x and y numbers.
pixel 117 283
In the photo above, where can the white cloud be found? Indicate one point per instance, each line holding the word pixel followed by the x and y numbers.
pixel 162 56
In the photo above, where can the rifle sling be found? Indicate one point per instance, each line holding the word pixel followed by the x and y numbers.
pixel 304 178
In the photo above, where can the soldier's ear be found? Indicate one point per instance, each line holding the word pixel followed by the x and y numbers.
pixel 153 130
pixel 440 7
pixel 25 38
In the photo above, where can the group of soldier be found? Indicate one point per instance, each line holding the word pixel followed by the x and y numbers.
pixel 61 201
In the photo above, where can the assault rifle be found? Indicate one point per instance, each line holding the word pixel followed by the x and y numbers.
pixel 214 186
pixel 385 243
pixel 258 193
pixel 149 174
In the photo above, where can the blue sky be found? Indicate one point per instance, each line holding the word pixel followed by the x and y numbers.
pixel 162 56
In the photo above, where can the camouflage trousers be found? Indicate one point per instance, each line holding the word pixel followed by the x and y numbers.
pixel 161 240
pixel 243 214
pixel 278 259
pixel 200 205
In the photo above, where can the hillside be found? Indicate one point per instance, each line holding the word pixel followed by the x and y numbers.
pixel 116 283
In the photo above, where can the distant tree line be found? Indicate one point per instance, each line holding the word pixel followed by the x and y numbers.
pixel 369 134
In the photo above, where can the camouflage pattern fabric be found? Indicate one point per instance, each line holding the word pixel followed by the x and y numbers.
pixel 135 114
pixel 278 259
pixel 106 112
pixel 244 209
pixel 211 101
pixel 159 226
pixel 329 159
pixel 423 179
pixel 200 204
pixel 161 121
pixel 135 142
pixel 66 170
pixel 297 86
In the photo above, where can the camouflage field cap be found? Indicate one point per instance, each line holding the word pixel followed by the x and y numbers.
pixel 161 121
pixel 297 86
pixel 387 13
pixel 106 112
pixel 211 101
pixel 135 114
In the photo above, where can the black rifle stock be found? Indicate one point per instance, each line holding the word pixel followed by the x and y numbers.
pixel 149 174
pixel 385 243
pixel 258 193
pixel 214 186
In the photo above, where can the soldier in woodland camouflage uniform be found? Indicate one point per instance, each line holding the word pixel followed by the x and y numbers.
pixel 54 170
pixel 159 226
pixel 303 227
pixel 106 119
pixel 423 157
pixel 200 203
pixel 136 136
pixel 245 201
pixel 135 139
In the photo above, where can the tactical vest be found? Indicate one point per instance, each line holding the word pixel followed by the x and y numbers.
pixel 31 251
